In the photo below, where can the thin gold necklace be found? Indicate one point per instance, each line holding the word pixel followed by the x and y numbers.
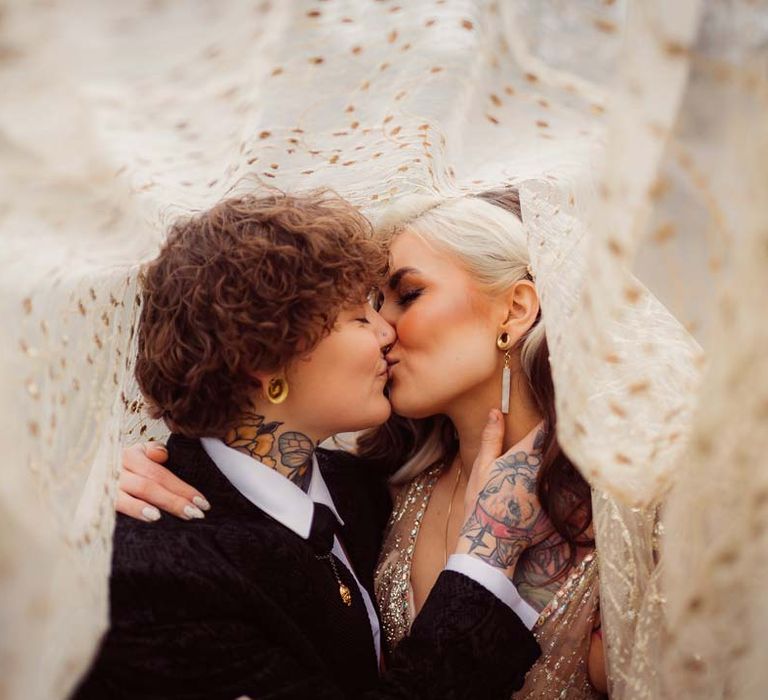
pixel 459 472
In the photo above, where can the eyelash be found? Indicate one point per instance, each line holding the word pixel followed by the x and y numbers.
pixel 409 297
pixel 362 320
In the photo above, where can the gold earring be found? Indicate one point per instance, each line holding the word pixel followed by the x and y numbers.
pixel 277 390
pixel 503 342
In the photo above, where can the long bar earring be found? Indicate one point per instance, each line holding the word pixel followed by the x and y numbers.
pixel 505 382
pixel 504 342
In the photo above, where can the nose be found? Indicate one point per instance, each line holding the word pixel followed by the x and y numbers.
pixel 384 331
pixel 387 314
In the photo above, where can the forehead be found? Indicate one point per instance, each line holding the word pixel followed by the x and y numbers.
pixel 408 249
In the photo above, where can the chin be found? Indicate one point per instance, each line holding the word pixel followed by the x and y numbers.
pixel 383 412
pixel 372 416
pixel 411 407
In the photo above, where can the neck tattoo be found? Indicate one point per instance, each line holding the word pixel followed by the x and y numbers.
pixel 288 452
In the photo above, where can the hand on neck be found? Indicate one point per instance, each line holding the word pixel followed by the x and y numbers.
pixel 276 443
pixel 470 415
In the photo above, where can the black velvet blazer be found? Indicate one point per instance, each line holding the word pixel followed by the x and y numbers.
pixel 237 604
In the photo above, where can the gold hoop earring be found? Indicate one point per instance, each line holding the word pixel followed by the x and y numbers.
pixel 504 342
pixel 277 390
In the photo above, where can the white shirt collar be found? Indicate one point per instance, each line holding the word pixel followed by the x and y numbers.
pixel 270 491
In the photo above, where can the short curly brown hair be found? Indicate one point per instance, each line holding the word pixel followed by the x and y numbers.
pixel 248 285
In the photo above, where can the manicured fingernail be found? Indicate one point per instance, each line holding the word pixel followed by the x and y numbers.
pixel 201 502
pixel 150 514
pixel 193 512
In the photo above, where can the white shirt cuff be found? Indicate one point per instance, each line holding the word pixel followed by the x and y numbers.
pixel 495 581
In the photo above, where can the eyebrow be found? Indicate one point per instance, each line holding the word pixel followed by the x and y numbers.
pixel 394 280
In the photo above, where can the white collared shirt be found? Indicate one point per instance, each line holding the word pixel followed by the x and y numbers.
pixel 282 500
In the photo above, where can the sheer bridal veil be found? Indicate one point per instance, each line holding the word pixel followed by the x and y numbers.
pixel 637 134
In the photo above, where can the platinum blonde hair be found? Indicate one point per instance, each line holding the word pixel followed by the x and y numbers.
pixel 489 242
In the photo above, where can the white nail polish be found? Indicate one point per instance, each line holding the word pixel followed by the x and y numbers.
pixel 150 514
pixel 201 502
pixel 193 512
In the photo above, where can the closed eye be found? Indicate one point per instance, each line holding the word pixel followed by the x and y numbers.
pixel 409 297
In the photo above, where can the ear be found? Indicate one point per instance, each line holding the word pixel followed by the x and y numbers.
pixel 522 306
pixel 263 377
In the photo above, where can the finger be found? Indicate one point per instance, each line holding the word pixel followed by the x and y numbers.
pixel 156 451
pixel 491 441
pixel 155 494
pixel 491 444
pixel 136 509
pixel 143 463
pixel 133 456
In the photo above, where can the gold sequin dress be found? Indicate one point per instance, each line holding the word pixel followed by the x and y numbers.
pixel 563 629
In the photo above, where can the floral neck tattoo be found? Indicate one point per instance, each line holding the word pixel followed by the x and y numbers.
pixel 286 451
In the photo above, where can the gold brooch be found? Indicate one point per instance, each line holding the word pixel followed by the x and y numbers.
pixel 344 593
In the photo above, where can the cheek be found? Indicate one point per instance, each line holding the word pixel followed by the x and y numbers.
pixel 347 360
pixel 446 330
pixel 356 400
pixel 337 387
pixel 447 349
pixel 351 367
pixel 417 327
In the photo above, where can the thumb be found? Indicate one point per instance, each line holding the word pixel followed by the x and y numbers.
pixel 156 451
pixel 491 445
pixel 491 441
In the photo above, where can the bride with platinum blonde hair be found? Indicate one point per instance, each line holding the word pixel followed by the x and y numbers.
pixel 471 336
